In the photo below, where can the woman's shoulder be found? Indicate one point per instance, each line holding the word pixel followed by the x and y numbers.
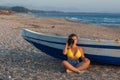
pixel 79 47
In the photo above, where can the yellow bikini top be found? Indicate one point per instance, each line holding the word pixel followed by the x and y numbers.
pixel 71 54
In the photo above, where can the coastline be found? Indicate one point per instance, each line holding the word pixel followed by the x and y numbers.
pixel 20 60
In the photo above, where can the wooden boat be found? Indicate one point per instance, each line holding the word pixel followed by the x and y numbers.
pixel 100 51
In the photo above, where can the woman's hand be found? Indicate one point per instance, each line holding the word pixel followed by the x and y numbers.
pixel 73 58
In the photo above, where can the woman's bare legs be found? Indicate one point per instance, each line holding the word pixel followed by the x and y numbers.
pixel 83 65
pixel 68 66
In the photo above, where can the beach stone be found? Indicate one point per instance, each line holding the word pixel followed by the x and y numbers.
pixel 5 79
pixel 9 77
pixel 19 60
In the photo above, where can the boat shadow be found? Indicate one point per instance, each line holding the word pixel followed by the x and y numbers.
pixel 36 61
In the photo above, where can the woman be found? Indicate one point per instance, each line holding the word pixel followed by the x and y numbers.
pixel 74 53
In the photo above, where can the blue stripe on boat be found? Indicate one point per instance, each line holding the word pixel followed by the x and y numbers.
pixel 83 45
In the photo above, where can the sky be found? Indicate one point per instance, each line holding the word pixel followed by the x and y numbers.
pixel 109 6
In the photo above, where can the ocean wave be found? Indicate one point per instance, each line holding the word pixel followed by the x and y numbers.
pixel 73 18
pixel 98 21
pixel 110 24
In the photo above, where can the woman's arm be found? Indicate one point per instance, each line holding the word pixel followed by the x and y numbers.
pixel 65 49
pixel 83 56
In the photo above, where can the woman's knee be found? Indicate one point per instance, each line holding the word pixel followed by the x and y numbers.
pixel 64 62
pixel 87 61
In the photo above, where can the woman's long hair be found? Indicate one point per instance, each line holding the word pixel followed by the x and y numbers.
pixel 70 40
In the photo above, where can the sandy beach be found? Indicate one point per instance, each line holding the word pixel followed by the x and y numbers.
pixel 19 60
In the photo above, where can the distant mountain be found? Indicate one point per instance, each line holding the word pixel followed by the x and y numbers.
pixel 4 8
pixel 42 11
pixel 20 9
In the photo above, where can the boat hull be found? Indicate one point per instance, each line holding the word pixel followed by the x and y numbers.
pixel 55 48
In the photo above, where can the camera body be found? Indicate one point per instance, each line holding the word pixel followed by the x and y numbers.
pixel 70 41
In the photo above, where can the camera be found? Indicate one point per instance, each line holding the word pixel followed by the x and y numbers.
pixel 70 41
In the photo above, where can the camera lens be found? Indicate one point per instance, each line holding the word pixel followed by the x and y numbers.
pixel 70 41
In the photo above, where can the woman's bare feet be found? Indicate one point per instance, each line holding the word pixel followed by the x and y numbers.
pixel 68 71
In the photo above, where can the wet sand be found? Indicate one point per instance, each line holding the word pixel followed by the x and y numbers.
pixel 19 60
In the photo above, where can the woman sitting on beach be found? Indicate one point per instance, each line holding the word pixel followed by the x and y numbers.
pixel 74 53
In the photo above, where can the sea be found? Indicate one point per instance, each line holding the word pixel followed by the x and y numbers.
pixel 104 19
